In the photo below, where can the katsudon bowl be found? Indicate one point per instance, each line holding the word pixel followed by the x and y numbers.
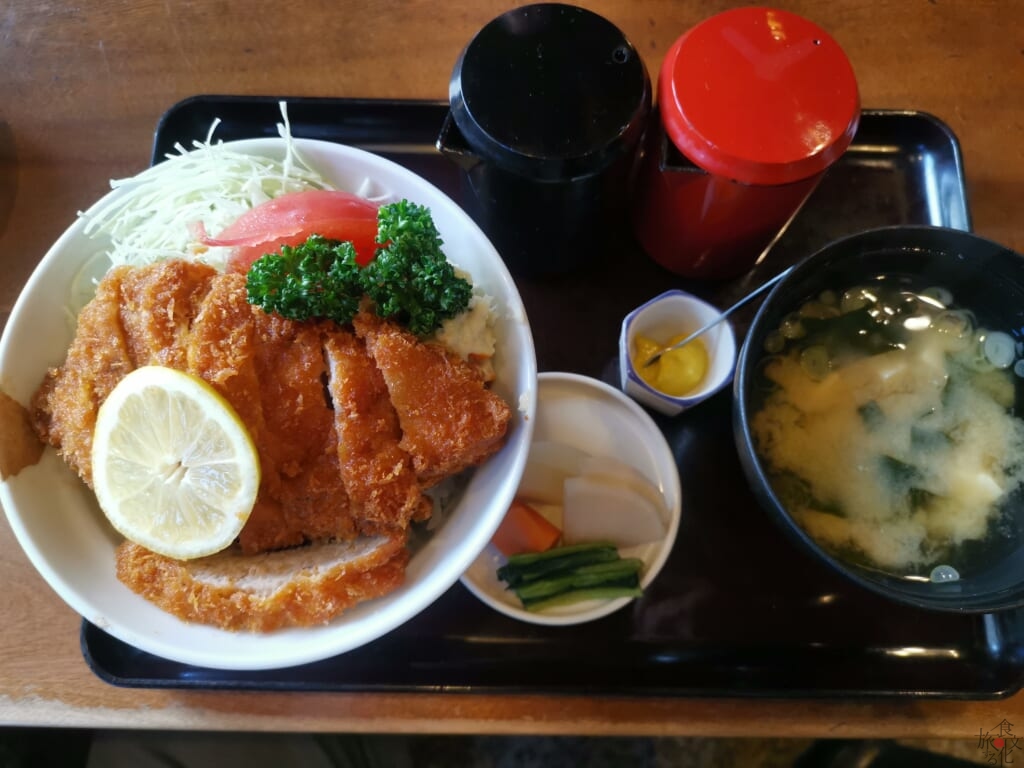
pixel 59 525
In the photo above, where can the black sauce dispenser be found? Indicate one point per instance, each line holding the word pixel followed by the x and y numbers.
pixel 548 103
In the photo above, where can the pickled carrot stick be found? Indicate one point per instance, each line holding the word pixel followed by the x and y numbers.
pixel 524 529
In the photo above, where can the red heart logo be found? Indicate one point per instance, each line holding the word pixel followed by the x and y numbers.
pixel 998 743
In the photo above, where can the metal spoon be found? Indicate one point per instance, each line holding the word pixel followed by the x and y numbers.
pixel 753 294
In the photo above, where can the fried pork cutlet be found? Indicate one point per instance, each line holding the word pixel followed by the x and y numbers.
pixel 221 349
pixel 157 307
pixel 291 370
pixel 301 587
pixel 315 501
pixel 450 420
pixel 297 413
pixel 19 447
pixel 378 473
pixel 350 429
pixel 270 370
pixel 64 407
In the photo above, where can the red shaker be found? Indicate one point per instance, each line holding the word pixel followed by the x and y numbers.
pixel 754 105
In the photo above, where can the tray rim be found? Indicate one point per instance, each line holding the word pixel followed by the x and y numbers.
pixel 952 143
pixel 666 692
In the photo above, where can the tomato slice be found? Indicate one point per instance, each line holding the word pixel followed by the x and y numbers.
pixel 291 218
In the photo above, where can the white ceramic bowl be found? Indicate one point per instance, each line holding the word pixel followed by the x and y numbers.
pixel 62 530
pixel 590 415
pixel 661 318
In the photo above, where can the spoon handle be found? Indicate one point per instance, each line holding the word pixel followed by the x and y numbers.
pixel 752 295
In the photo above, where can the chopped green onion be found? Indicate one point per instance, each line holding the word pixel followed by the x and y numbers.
pixel 1000 349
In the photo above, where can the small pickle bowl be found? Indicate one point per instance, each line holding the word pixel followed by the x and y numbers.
pixel 671 315
pixel 617 478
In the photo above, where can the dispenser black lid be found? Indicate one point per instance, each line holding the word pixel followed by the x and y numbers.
pixel 550 91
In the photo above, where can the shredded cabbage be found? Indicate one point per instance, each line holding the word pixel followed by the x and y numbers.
pixel 211 184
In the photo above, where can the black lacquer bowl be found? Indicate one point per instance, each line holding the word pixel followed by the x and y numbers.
pixel 984 277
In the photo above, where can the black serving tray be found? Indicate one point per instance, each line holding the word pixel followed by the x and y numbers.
pixel 737 610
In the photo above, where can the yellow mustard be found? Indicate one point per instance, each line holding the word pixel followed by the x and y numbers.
pixel 676 372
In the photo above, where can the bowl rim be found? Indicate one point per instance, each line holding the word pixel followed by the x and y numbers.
pixel 916 238
pixel 341 161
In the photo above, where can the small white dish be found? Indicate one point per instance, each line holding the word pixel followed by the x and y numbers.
pixel 661 318
pixel 590 415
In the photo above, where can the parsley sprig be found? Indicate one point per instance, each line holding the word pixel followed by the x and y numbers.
pixel 409 279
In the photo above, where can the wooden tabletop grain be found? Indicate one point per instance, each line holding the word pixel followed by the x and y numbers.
pixel 82 86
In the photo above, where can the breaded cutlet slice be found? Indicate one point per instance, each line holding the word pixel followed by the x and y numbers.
pixel 291 372
pixel 377 472
pixel 298 439
pixel 450 420
pixel 299 587
pixel 220 348
pixel 63 410
pixel 271 370
pixel 158 305
pixel 137 317
pixel 315 501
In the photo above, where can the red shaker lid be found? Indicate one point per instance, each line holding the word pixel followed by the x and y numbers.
pixel 759 95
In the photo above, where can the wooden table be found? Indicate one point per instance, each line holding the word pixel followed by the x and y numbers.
pixel 81 88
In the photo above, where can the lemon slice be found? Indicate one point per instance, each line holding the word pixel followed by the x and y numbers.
pixel 173 466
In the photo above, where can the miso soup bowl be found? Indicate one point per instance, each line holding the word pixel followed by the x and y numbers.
pixel 984 277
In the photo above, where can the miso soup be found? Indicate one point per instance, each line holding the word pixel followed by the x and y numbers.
pixel 886 424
